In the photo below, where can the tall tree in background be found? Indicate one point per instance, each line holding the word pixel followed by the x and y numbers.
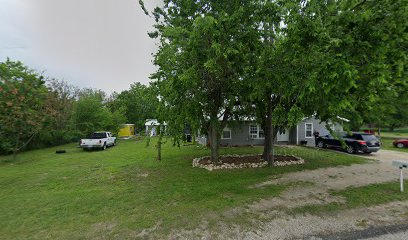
pixel 90 113
pixel 22 105
pixel 138 103
pixel 58 129
pixel 38 112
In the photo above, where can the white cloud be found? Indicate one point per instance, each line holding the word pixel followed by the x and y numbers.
pixel 90 43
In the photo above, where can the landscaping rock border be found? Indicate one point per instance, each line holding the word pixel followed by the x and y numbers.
pixel 211 167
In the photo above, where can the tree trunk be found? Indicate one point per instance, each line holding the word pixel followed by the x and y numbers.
pixel 159 144
pixel 214 142
pixel 15 150
pixel 268 131
pixel 273 137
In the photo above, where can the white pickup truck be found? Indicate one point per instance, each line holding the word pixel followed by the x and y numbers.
pixel 100 140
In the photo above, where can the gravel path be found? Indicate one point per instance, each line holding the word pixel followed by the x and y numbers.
pixel 387 156
pixel 393 232
pixel 275 223
pixel 333 226
pixel 336 178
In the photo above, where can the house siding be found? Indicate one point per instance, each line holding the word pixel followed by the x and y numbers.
pixel 317 126
pixel 240 134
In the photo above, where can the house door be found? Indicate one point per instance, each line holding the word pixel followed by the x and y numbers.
pixel 283 137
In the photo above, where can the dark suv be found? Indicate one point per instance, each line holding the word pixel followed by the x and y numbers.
pixel 355 142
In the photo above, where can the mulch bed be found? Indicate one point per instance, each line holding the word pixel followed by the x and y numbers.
pixel 244 159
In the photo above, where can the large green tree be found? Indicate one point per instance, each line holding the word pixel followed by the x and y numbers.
pixel 278 81
pixel 203 51
pixel 22 105
pixel 331 58
pixel 363 56
pixel 285 59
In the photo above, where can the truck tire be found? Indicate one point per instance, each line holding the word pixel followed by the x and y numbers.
pixel 104 146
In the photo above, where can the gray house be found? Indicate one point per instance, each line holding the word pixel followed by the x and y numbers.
pixel 248 133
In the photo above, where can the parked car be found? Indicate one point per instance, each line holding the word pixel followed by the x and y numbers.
pixel 99 140
pixel 401 143
pixel 355 142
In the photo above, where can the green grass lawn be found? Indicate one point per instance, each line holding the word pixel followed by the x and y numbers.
pixel 387 144
pixel 394 134
pixel 399 132
pixel 121 191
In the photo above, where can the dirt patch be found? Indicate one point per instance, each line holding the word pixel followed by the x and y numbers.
pixel 148 231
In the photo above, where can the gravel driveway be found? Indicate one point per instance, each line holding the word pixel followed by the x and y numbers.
pixel 386 156
pixel 274 223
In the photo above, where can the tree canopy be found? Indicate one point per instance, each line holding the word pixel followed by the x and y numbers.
pixel 138 103
pixel 280 60
pixel 36 111
pixel 22 105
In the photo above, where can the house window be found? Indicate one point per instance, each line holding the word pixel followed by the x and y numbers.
pixel 309 130
pixel 226 133
pixel 256 132
pixel 253 131
pixel 261 133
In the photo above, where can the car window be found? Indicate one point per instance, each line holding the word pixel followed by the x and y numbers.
pixel 357 137
pixel 369 138
pixel 98 135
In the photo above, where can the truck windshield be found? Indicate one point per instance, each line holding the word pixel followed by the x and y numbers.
pixel 97 135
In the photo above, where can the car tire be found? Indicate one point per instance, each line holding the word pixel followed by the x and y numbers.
pixel 350 149
pixel 114 143
pixel 320 144
pixel 400 145
pixel 104 146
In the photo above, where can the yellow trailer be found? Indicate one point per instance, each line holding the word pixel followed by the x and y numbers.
pixel 127 130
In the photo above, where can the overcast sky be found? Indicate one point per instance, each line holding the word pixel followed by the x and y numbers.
pixel 89 43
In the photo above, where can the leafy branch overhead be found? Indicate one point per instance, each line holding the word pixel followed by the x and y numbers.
pixel 275 61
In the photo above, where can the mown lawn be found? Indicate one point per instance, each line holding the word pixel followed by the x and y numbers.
pixel 121 191
pixel 397 133
pixel 386 143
